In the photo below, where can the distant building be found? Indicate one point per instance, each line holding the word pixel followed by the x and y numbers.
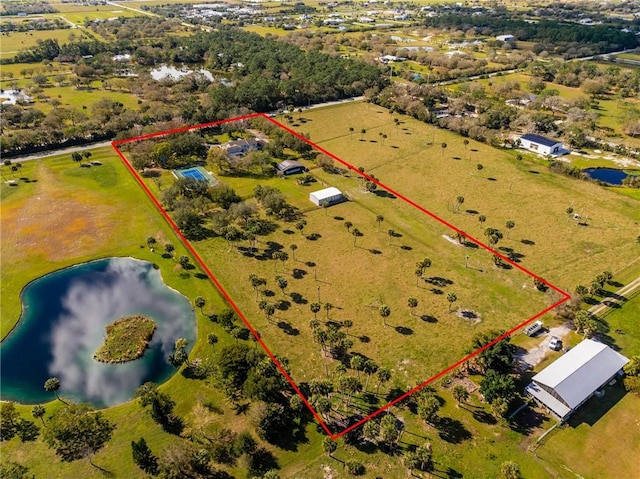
pixel 290 167
pixel 391 58
pixel 505 38
pixel 542 145
pixel 328 196
pixel 567 383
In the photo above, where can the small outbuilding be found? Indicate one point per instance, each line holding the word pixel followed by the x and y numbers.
pixel 567 383
pixel 505 38
pixel 542 145
pixel 328 196
pixel 290 167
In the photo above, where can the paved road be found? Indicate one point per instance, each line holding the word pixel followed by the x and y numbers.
pixel 623 292
pixel 61 151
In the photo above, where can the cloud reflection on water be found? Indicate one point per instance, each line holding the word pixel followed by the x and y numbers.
pixel 126 287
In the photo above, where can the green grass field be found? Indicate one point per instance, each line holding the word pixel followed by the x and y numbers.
pixel 11 43
pixel 413 162
pixel 113 217
pixel 601 426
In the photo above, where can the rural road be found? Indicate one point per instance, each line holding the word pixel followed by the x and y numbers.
pixel 61 151
pixel 533 356
pixel 618 296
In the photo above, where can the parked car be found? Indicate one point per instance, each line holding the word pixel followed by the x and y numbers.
pixel 555 344
pixel 533 328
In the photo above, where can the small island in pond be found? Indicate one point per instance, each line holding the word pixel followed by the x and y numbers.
pixel 126 339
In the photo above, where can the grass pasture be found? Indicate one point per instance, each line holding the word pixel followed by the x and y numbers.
pixel 413 162
pixel 359 274
pixel 12 42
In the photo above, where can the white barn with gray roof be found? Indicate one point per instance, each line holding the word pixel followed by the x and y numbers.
pixel 567 383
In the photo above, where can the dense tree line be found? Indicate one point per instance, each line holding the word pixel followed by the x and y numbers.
pixel 30 8
pixel 263 74
pixel 35 24
pixel 600 38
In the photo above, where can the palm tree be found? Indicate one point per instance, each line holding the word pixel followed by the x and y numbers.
pixel 370 367
pixel 418 274
pixel 199 302
pixel 348 225
pixel 459 201
pixel 269 310
pixel 379 219
pixel 53 385
pixel 355 233
pixel 383 376
pixel 351 130
pixel 357 363
pixel 327 308
pixel 293 248
pixel 212 339
pixel 38 412
pixel 460 394
pixel 465 142
pixel 300 225
pixel 77 157
pixel 362 133
pixel 482 219
pixel 151 241
pixel 384 137
pixel 443 146
pixel 385 312
pixel 452 298
pixel 391 234
pixel 184 261
pixel 315 309
pixel 282 283
pixel 347 323
pixel 509 224
pixel 169 249
pixel 413 304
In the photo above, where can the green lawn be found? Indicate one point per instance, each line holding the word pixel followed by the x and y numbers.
pixel 12 42
pixel 412 162
pixel 606 428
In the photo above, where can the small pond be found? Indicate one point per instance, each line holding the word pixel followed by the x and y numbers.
pixel 608 175
pixel 63 323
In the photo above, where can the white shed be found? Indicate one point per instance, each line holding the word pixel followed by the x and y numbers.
pixel 505 38
pixel 328 196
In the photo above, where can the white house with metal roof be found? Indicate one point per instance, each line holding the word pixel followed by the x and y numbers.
pixel 542 145
pixel 567 383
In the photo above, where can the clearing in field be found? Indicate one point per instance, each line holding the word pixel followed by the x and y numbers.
pixel 377 289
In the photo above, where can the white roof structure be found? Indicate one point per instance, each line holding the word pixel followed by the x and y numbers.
pixel 328 195
pixel 573 378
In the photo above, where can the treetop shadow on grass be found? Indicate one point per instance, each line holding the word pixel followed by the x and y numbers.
pixel 472 212
pixel 452 430
pixel 384 194
pixel 406 247
pixel 596 407
pixel 298 298
pixel 484 417
pixel 427 318
pixel 528 241
pixel 287 328
pixel 404 330
pixel 314 236
pixel 298 273
pixel 527 420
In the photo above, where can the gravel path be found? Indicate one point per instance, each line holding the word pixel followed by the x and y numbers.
pixel 535 355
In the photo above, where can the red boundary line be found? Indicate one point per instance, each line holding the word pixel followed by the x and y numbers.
pixel 187 244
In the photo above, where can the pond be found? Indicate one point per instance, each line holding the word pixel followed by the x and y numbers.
pixel 63 323
pixel 608 175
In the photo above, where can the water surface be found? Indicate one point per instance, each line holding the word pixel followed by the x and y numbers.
pixel 608 175
pixel 63 323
